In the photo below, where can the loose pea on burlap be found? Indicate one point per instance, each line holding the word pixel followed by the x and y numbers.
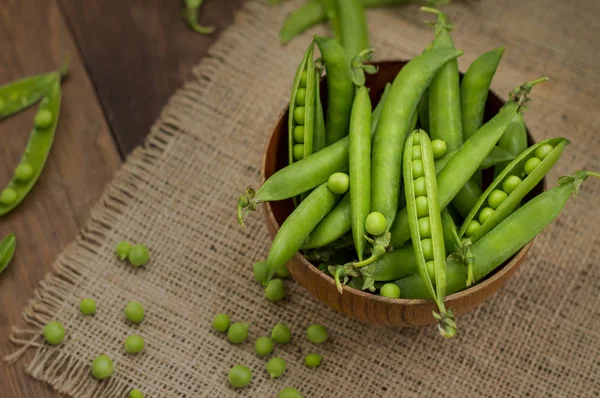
pixel 539 336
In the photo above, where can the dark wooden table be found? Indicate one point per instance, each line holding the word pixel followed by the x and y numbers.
pixel 127 58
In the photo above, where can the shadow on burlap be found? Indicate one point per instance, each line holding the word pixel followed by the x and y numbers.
pixel 539 336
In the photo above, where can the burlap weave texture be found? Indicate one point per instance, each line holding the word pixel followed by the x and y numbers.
pixel 539 336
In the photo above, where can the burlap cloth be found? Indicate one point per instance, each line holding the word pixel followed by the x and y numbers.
pixel 540 336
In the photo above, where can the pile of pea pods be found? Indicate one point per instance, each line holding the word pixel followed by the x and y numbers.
pixel 390 200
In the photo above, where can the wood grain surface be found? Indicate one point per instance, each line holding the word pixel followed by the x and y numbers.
pixel 127 58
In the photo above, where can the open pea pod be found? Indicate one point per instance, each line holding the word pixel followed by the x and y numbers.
pixel 301 117
pixel 21 94
pixel 507 191
pixel 7 250
pixel 36 152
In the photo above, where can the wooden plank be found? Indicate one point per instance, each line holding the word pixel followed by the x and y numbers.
pixel 138 52
pixel 34 38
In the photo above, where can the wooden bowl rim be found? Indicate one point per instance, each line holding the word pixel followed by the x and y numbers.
pixel 490 280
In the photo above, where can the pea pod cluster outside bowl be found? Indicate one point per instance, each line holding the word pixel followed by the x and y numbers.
pixel 359 304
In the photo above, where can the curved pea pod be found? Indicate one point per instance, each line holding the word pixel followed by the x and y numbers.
pixel 334 226
pixel 444 91
pixel 297 178
pixel 310 14
pixel 394 265
pixel 340 88
pixel 360 167
pixel 396 118
pixel 512 200
pixel 21 94
pixel 297 227
pixel 301 113
pixel 465 162
pixel 506 239
pixel 425 222
pixel 7 250
pixel 474 90
pixel 37 150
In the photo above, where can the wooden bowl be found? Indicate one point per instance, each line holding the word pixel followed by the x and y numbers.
pixel 362 305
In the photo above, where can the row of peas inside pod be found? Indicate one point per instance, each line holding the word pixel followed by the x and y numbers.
pixel 417 219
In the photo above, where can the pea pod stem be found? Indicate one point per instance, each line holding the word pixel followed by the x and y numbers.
pixel 192 14
pixel 7 250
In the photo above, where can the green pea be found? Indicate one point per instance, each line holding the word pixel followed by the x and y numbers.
pixel 418 169
pixel 424 227
pixel 301 96
pixel 259 270
pixel 427 245
pixel 54 333
pixel 416 140
pixel 422 206
pixel 239 376
pixel 23 172
pixel 416 152
pixel 275 290
pixel 338 183
pixel 496 198
pixel 87 306
pixel 431 270
pixel 420 187
pixel 135 312
pixel 138 255
pixel 299 134
pixel 472 228
pixel 313 360
pixel 543 150
pixel 275 367
pixel 8 196
pixel 282 272
pixel 134 344
pixel 43 119
pixel 299 113
pixel 135 393
pixel 221 323
pixel 510 184
pixel 303 79
pixel 102 367
pixel 289 392
pixel 238 332
pixel 263 346
pixel 375 223
pixel 439 148
pixel 122 250
pixel 281 334
pixel 485 213
pixel 390 290
pixel 317 334
pixel 298 151
pixel 531 164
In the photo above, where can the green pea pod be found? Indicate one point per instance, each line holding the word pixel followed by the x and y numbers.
pixel 360 167
pixel 396 118
pixel 515 168
pixel 444 92
pixel 379 107
pixel 394 265
pixel 297 227
pixel 21 94
pixel 465 162
pixel 305 17
pixel 514 139
pixel 330 7
pixel 423 111
pixel 305 103
pixel 451 238
pixel 7 250
pixel 340 88
pixel 474 90
pixel 426 224
pixel 334 226
pixel 506 239
pixel 297 178
pixel 465 199
pixel 319 133
pixel 353 24
pixel 497 156
pixel 36 152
